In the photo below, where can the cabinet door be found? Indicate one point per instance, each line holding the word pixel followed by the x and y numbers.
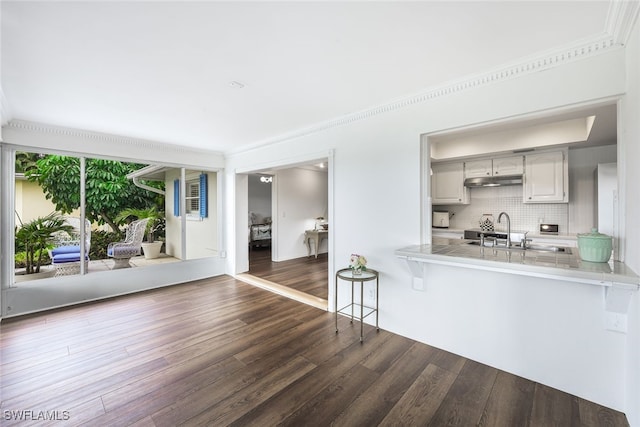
pixel 508 166
pixel 447 184
pixel 477 168
pixel 545 179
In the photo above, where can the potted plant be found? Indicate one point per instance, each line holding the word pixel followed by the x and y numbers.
pixel 150 247
pixel 35 236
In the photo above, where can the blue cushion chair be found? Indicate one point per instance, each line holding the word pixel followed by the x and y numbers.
pixel 65 257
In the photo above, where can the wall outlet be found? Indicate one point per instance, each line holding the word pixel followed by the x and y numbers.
pixel 616 322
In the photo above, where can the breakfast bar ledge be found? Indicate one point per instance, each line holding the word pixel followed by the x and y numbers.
pixel 618 280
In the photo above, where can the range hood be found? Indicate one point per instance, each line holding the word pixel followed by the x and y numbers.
pixel 493 181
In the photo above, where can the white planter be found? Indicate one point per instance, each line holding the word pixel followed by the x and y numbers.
pixel 151 250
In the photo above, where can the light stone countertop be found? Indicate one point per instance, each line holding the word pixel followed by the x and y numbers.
pixel 553 265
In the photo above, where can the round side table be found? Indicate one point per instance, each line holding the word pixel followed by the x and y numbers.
pixel 347 275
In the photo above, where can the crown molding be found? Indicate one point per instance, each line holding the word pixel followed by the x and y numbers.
pixel 619 24
pixel 103 138
pixel 620 19
pixel 530 65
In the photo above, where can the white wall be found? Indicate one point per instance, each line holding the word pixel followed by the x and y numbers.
pixel 202 235
pixel 583 204
pixel 259 198
pixel 523 326
pixel 302 196
pixel 173 224
pixel 628 165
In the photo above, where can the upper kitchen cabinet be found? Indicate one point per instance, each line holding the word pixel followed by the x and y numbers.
pixel 546 177
pixel 447 184
pixel 502 166
pixel 508 166
pixel 478 168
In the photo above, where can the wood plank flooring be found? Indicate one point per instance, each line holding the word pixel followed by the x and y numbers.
pixel 307 274
pixel 220 352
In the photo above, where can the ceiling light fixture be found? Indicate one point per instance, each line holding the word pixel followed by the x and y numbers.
pixel 266 179
pixel 235 84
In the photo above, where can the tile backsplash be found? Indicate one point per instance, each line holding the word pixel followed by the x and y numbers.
pixel 493 200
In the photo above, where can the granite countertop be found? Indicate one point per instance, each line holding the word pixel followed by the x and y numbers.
pixel 555 265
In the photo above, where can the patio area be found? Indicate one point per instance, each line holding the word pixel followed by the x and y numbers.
pixel 95 266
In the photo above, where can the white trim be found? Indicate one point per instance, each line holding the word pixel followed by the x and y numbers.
pixel 620 19
pixel 82 142
pixel 289 162
pixel 5 111
pixel 99 137
pixel 529 65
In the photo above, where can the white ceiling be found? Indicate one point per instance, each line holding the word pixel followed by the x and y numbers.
pixel 162 70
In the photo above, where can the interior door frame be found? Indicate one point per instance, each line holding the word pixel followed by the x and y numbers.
pixel 242 248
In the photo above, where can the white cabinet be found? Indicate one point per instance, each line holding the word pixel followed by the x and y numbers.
pixel 447 184
pixel 546 177
pixel 478 168
pixel 502 166
pixel 508 166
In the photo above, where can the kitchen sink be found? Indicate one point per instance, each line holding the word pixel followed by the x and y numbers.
pixel 536 248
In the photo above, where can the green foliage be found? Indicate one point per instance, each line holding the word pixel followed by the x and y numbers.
pixel 26 161
pixel 99 242
pixel 156 219
pixel 21 258
pixel 108 191
pixel 34 236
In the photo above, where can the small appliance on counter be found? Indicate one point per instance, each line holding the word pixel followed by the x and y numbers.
pixel 486 222
pixel 440 219
pixel 551 229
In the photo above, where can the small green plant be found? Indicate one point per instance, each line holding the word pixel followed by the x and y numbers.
pixel 20 258
pixel 34 237
pixel 156 219
pixel 99 241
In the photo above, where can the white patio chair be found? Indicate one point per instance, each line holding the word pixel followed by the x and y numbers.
pixel 121 252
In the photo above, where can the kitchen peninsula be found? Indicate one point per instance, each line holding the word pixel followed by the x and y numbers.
pixel 615 276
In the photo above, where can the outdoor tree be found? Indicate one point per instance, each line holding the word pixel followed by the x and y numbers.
pixel 108 191
pixel 26 161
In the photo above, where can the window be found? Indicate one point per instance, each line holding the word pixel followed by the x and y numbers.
pixel 193 198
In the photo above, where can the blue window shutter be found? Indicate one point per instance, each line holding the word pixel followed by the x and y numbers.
pixel 204 209
pixel 176 197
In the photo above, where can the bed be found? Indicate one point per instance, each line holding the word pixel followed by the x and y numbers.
pixel 259 230
pixel 259 235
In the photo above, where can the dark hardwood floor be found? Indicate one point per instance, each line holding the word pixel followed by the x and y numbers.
pixel 307 274
pixel 220 352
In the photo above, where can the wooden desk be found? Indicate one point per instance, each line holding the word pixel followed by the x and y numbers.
pixel 317 236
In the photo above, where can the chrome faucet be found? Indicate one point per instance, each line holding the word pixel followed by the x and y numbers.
pixel 508 227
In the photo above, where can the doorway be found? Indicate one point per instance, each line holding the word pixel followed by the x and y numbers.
pixel 282 203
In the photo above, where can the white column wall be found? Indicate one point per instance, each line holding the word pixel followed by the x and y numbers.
pixel 548 331
pixel 629 158
pixel 301 196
